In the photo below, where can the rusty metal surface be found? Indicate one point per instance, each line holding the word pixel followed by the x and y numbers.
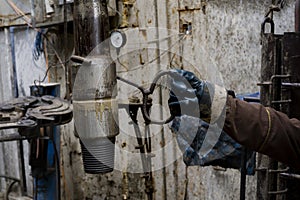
pixel 270 66
pixel 29 112
pixel 291 60
pixel 280 74
pixel 91 25
pixel 95 106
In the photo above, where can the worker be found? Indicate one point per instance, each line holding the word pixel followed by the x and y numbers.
pixel 261 129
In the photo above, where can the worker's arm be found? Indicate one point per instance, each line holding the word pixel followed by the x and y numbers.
pixel 264 130
pixel 257 127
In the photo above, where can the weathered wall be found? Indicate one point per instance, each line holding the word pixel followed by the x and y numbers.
pixel 6 74
pixel 27 70
pixel 229 32
pixel 225 35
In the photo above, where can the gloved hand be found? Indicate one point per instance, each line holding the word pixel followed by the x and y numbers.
pixel 198 149
pixel 191 96
pixel 201 143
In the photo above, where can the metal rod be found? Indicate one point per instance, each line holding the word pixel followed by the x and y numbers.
pixel 296 85
pixel 90 17
pixel 13 56
pixel 22 168
pixel 278 192
pixel 131 83
pixel 17 136
pixel 11 137
pixel 297 16
pixel 145 157
pixel 287 175
pixel 243 174
pixel 282 101
pixel 279 170
pixel 67 69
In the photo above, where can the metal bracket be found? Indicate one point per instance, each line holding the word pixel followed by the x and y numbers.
pixel 147 92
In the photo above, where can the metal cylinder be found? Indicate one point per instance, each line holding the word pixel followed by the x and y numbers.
pixel 99 148
pixel 95 106
pixel 91 25
pixel 96 114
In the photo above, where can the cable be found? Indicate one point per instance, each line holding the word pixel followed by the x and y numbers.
pixel 27 21
pixel 38 47
pixel 107 3
pixel 46 73
pixel 8 190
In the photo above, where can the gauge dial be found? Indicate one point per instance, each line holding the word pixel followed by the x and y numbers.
pixel 117 39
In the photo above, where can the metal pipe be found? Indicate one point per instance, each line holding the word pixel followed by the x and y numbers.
pixel 94 94
pixel 23 184
pixel 292 176
pixel 243 174
pixel 13 57
pixel 91 25
pixel 297 16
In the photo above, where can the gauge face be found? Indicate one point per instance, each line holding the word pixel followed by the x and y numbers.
pixel 117 39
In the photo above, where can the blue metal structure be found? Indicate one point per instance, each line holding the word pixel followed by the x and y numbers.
pixel 47 180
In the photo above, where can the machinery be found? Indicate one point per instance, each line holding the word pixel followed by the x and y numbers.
pixel 36 118
pixel 280 78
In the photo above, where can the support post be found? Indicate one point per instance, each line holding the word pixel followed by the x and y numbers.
pixel 44 155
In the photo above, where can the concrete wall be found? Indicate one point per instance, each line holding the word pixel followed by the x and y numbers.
pixel 225 40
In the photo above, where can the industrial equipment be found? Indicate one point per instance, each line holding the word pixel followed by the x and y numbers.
pixel 36 118
pixel 280 78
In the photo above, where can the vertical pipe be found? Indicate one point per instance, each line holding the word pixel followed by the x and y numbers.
pixel 67 69
pixel 22 167
pixel 47 181
pixel 92 95
pixel 297 16
pixel 13 57
pixel 91 25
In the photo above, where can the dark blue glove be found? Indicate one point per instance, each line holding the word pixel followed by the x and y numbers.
pixel 190 102
pixel 190 96
pixel 191 133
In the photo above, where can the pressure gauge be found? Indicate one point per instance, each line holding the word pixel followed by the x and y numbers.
pixel 117 39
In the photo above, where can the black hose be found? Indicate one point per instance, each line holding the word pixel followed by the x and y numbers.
pixel 8 190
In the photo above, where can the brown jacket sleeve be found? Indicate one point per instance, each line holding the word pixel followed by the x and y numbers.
pixel 264 130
